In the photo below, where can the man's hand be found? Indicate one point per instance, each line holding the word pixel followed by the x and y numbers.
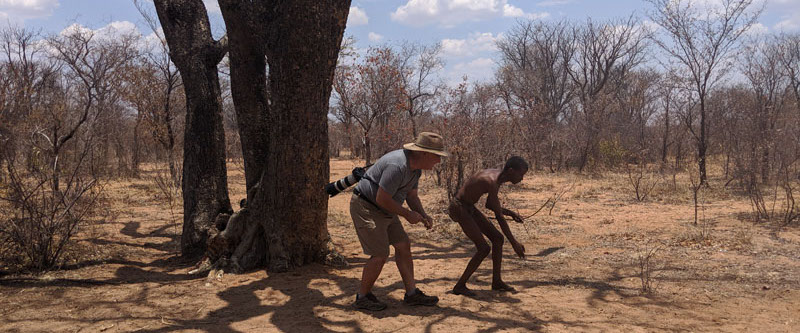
pixel 413 217
pixel 427 221
pixel 519 249
pixel 516 217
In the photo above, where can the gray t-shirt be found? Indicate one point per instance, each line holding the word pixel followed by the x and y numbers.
pixel 393 174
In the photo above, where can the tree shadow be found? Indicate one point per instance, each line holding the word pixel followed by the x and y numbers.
pixel 131 229
pixel 310 308
pixel 548 251
pixel 131 272
pixel 313 298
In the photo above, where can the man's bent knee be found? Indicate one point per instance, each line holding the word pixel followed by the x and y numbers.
pixel 402 249
pixel 497 241
pixel 483 249
pixel 380 259
pixel 404 245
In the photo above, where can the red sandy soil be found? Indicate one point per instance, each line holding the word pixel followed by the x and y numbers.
pixel 582 272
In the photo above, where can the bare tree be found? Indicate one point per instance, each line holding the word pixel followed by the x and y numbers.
pixel 196 55
pixel 701 41
pixel 418 66
pixel 634 108
pixel 534 83
pixel 605 54
pixel 44 195
pixel 790 59
pixel 282 61
pixel 370 92
pixel 21 76
pixel 96 65
pixel 761 65
pixel 158 108
pixel 667 95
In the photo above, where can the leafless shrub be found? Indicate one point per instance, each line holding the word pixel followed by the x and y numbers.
pixel 757 202
pixel 641 180
pixel 557 196
pixel 50 187
pixel 41 220
pixel 774 202
pixel 743 238
pixel 790 211
pixel 696 186
pixel 170 193
pixel 648 264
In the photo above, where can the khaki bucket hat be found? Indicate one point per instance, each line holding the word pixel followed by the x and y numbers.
pixel 428 142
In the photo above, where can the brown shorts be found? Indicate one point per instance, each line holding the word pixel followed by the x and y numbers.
pixel 375 228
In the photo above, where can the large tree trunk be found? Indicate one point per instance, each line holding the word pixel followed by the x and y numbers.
pixel 303 47
pixel 196 54
pixel 284 131
pixel 247 23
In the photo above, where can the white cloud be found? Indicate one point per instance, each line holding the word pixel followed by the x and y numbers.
pixel 114 31
pixel 757 29
pixel 449 13
pixel 477 42
pixel 480 69
pixel 25 9
pixel 789 24
pixel 718 5
pixel 357 16
pixel 373 37
pixel 110 31
pixel 649 27
pixel 511 11
pixel 788 12
pixel 153 40
pixel 118 28
pixel 74 28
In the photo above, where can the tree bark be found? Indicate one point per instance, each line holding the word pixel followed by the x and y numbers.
pixel 196 55
pixel 283 126
pixel 303 48
pixel 247 23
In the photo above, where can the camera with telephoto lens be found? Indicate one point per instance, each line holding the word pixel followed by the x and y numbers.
pixel 340 185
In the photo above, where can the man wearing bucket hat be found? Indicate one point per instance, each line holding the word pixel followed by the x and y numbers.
pixel 375 207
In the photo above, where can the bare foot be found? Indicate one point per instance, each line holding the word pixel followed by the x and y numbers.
pixel 457 290
pixel 502 286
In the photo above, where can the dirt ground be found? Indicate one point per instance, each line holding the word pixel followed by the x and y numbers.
pixel 582 272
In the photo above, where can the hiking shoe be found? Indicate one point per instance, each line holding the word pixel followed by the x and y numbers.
pixel 369 302
pixel 419 298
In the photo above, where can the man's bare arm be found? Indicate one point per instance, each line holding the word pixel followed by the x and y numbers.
pixel 493 203
pixel 384 199
pixel 412 199
pixel 514 215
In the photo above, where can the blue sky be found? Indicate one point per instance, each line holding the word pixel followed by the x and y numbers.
pixel 467 29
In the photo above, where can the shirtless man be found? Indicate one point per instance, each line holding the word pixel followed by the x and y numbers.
pixel 475 225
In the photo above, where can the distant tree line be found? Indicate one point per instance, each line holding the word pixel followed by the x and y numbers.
pixel 693 85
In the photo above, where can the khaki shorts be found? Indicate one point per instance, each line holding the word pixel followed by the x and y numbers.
pixel 375 228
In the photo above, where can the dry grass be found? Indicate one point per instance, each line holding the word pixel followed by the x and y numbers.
pixel 592 265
